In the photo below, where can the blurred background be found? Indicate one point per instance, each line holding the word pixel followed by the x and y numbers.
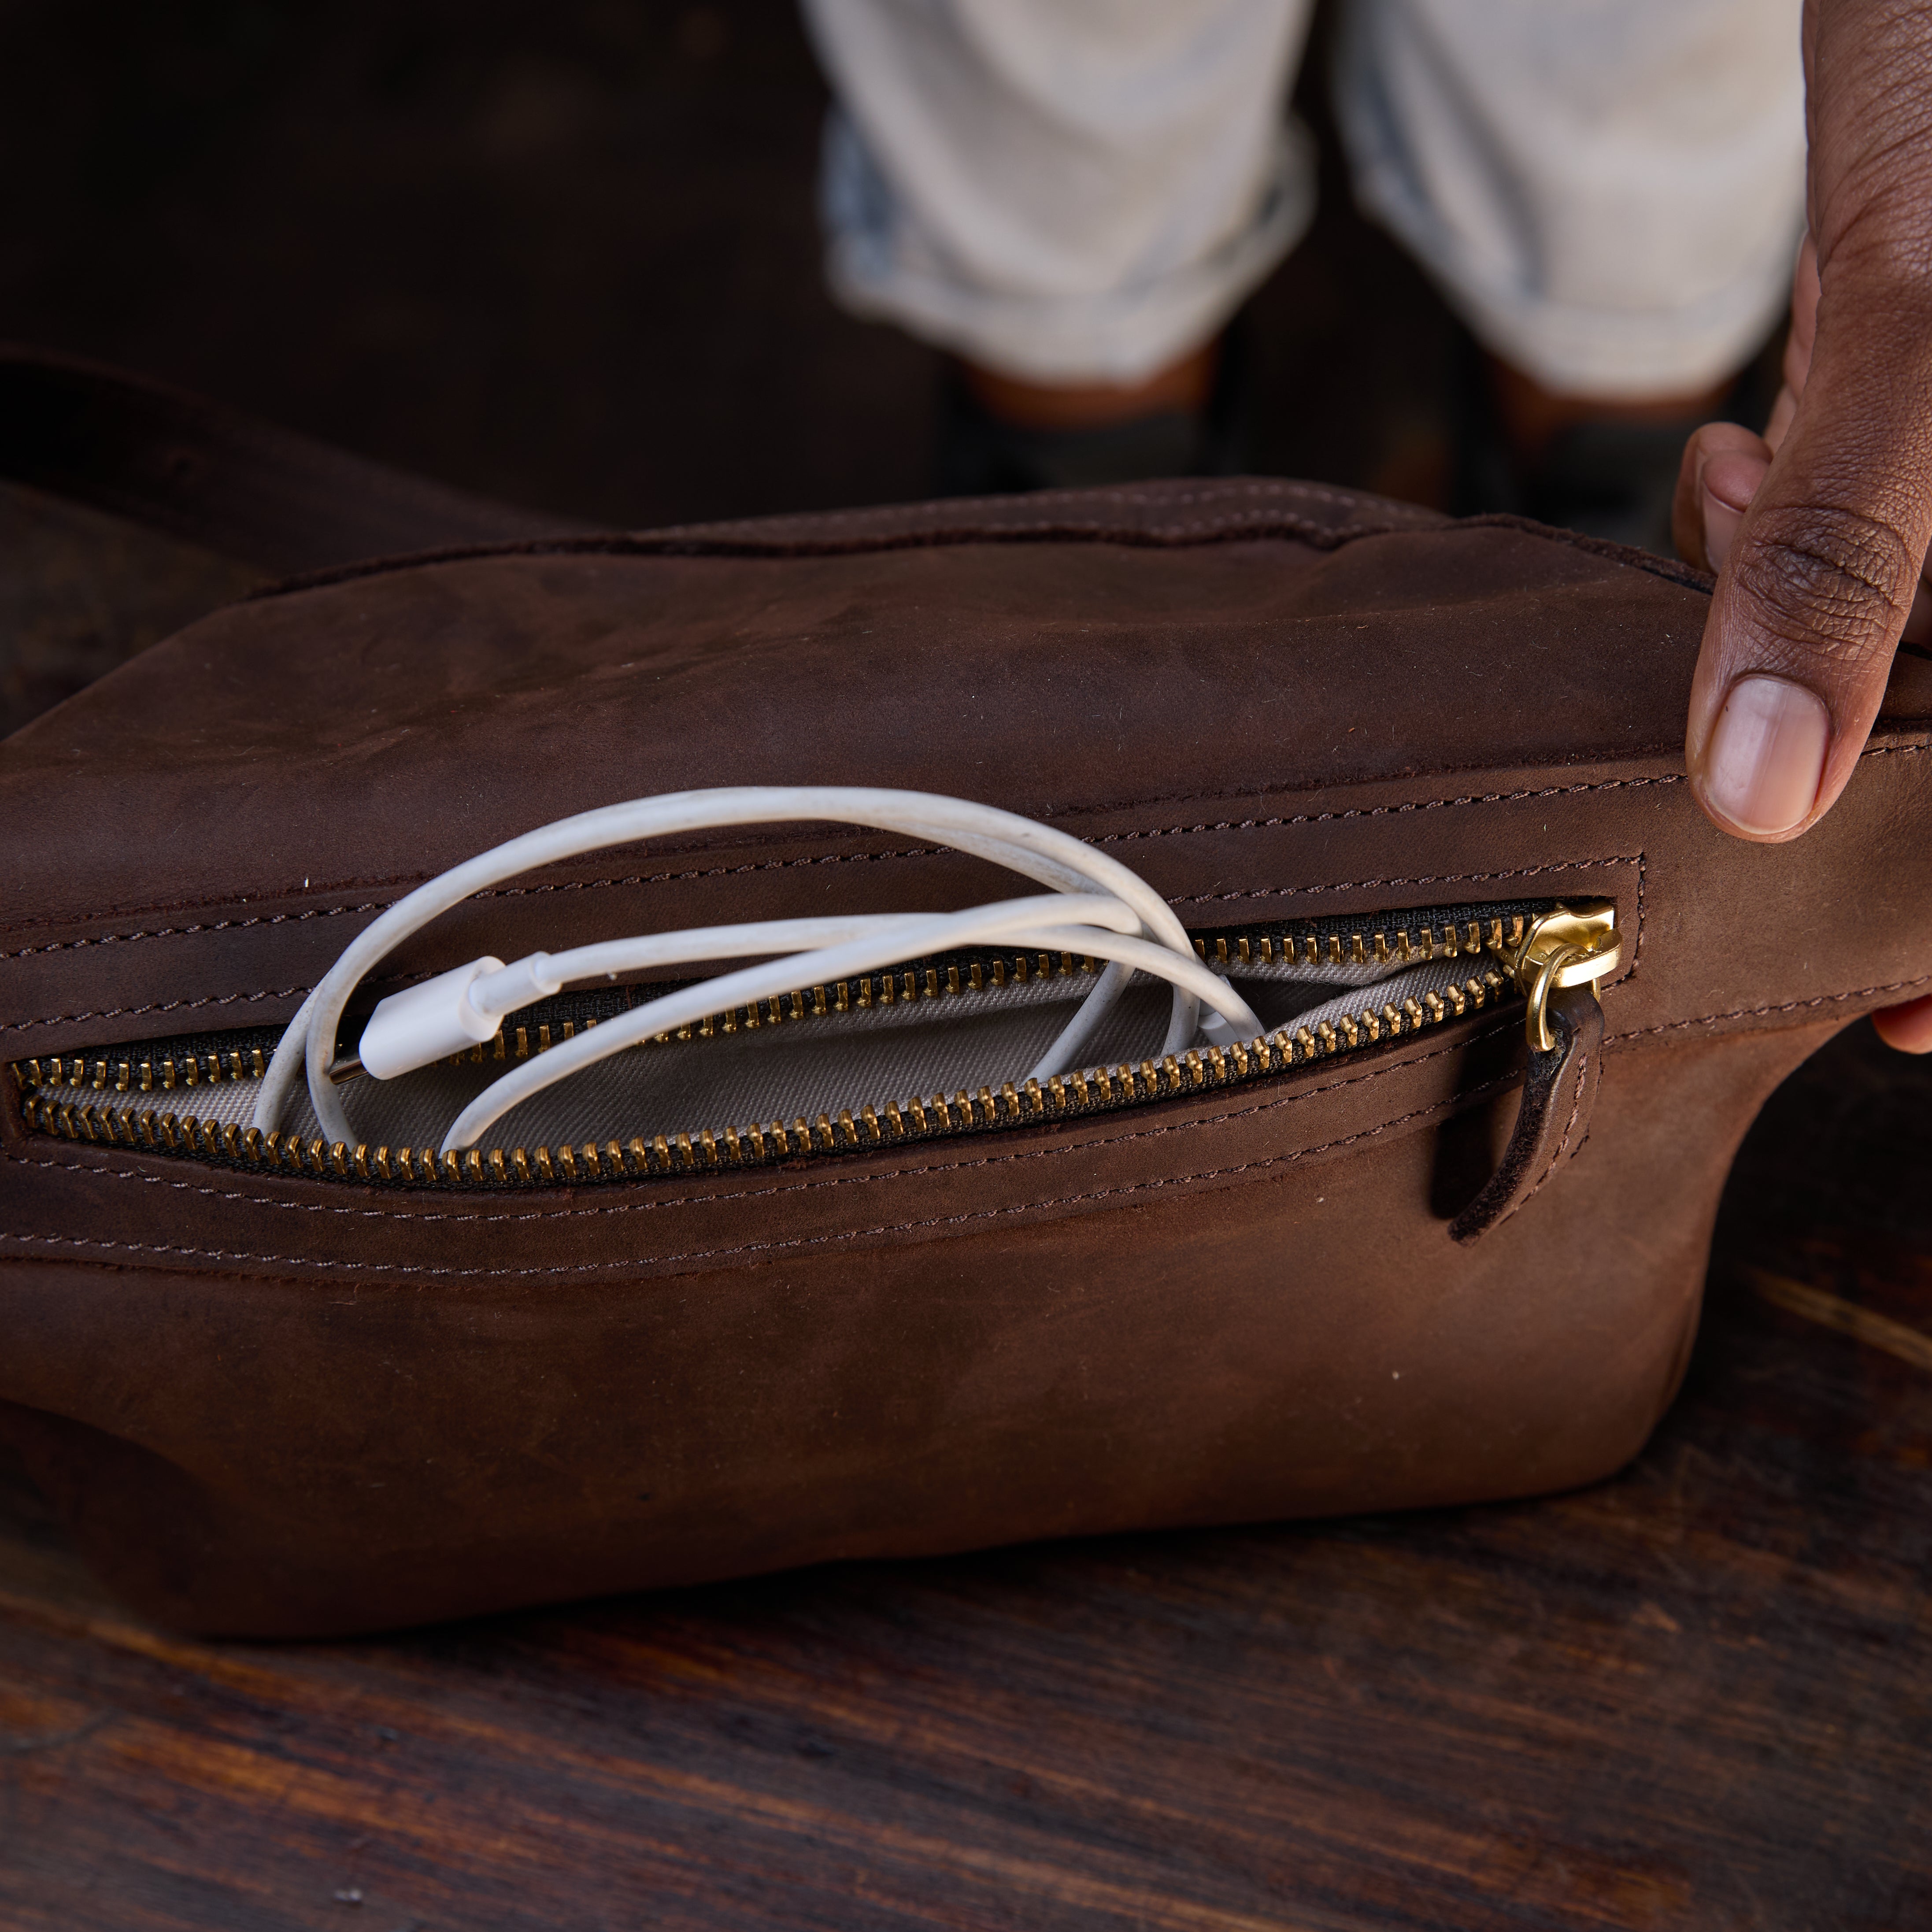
pixel 568 255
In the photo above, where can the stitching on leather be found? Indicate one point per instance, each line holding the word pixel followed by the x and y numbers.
pixel 211 925
pixel 1785 1007
pixel 909 852
pixel 920 852
pixel 1197 899
pixel 1419 879
pixel 750 1247
pixel 156 1006
pixel 1110 838
pixel 651 1204
pixel 1386 811
pixel 710 872
pixel 489 892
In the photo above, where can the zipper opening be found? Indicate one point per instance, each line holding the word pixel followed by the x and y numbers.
pixel 1325 987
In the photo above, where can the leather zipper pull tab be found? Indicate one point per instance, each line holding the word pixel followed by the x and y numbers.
pixel 1559 1090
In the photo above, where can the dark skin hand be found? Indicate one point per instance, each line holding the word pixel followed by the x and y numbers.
pixel 1819 529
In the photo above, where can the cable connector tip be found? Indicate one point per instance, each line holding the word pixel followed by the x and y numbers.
pixel 422 1024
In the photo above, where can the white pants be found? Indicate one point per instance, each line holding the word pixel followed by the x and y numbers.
pixel 1609 192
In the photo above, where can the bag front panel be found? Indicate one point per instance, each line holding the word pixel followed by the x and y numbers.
pixel 321 1389
pixel 300 1455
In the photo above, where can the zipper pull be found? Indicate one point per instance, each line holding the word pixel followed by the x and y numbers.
pixel 1568 946
pixel 1557 966
pixel 1553 1121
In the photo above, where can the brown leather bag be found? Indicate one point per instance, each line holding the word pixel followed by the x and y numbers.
pixel 280 1386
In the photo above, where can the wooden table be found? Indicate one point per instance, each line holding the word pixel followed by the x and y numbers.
pixel 1699 1695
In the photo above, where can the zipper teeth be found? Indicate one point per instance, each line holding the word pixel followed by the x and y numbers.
pixel 1392 947
pixel 1092 1090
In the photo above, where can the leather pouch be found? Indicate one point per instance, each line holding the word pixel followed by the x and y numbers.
pixel 797 1287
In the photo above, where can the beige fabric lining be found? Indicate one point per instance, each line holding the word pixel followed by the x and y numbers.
pixel 821 1064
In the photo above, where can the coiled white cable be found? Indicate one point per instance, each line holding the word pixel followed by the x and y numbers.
pixel 1124 922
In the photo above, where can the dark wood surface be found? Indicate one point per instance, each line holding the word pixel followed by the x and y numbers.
pixel 1699 1695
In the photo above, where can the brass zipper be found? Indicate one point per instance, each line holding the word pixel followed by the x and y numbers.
pixel 108 1098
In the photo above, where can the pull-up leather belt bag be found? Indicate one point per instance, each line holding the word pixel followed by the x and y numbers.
pixel 788 1288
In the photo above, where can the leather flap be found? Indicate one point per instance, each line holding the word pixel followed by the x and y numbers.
pixel 1251 689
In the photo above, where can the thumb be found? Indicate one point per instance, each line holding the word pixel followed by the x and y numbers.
pixel 1820 574
pixel 1821 567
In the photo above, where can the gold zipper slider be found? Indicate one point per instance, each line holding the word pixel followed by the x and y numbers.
pixel 1568 946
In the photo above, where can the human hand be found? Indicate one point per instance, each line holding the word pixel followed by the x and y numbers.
pixel 1820 528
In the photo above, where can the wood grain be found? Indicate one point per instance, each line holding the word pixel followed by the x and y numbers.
pixel 1700 1696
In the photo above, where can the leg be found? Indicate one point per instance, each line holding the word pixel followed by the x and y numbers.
pixel 1610 193
pixel 1072 196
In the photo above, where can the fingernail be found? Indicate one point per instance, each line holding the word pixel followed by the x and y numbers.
pixel 1766 754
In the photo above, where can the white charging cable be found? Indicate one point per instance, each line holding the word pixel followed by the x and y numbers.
pixel 1097 908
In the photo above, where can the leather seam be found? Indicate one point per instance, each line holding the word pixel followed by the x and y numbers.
pixel 1198 899
pixel 156 1006
pixel 859 858
pixel 741 539
pixel 651 1204
pixel 206 926
pixel 1784 1006
pixel 1299 492
pixel 843 859
pixel 753 1247
pixel 1420 879
pixel 1410 805
pixel 864 858
pixel 1396 809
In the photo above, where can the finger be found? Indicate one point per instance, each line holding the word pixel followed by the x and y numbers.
pixel 1733 488
pixel 1723 464
pixel 1731 480
pixel 1908 1027
pixel 1820 574
pixel 1823 570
